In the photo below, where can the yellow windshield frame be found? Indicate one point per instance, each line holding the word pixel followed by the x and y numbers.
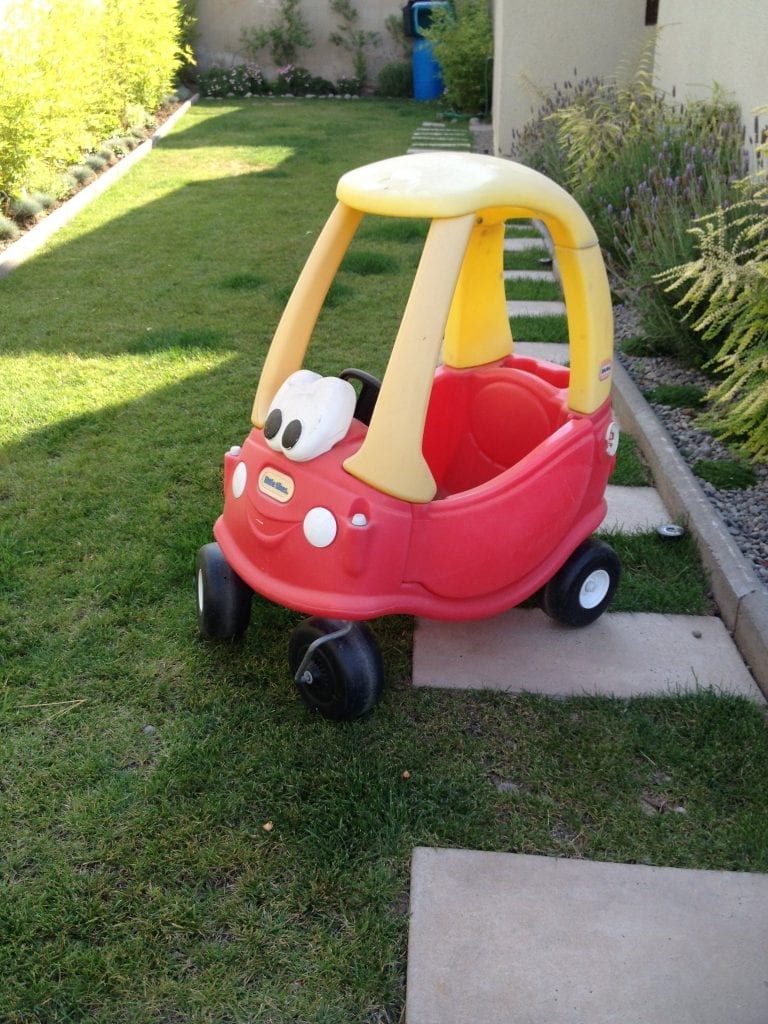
pixel 457 305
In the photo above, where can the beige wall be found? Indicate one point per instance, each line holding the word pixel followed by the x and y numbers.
pixel 541 43
pixel 220 23
pixel 708 41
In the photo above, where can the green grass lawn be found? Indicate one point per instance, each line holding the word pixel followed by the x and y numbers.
pixel 527 259
pixel 141 764
pixel 534 290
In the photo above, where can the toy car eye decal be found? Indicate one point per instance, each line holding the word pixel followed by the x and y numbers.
pixel 309 415
pixel 291 434
pixel 273 424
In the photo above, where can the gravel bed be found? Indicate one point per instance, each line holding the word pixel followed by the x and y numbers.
pixel 744 512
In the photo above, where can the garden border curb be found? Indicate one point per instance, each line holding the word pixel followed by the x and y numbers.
pixel 740 598
pixel 37 236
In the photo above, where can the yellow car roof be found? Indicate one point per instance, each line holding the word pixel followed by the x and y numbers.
pixel 446 184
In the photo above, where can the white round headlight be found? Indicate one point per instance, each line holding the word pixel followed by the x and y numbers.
pixel 239 478
pixel 320 527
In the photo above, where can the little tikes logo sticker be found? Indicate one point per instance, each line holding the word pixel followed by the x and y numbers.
pixel 612 438
pixel 605 370
pixel 276 484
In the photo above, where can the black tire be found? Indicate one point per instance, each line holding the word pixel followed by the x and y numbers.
pixel 583 588
pixel 223 599
pixel 344 676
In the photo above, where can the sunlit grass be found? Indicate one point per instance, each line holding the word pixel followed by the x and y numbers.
pixel 51 388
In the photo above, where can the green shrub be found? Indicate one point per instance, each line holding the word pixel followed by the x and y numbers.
pixel 349 86
pixel 463 46
pixel 81 173
pixel 320 86
pixel 25 210
pixel 726 295
pixel 45 199
pixel 9 230
pixel 95 162
pixel 395 80
pixel 73 82
pixel 292 81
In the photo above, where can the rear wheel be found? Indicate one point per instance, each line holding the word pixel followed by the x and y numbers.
pixel 583 588
pixel 223 599
pixel 337 667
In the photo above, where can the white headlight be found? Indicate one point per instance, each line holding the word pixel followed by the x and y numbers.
pixel 239 478
pixel 320 527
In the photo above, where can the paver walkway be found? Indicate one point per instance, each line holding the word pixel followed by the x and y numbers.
pixel 508 939
pixel 499 938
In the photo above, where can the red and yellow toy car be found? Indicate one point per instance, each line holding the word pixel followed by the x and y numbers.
pixel 466 481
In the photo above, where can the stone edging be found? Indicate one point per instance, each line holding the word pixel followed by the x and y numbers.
pixel 37 236
pixel 741 600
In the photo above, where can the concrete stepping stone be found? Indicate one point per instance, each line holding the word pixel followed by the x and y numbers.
pixel 434 136
pixel 550 351
pixel 504 938
pixel 633 510
pixel 529 275
pixel 522 244
pixel 526 307
pixel 622 654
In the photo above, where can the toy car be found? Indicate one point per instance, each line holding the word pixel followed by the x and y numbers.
pixel 468 480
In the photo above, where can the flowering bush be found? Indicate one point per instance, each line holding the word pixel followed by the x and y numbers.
pixel 241 80
pixel 349 86
pixel 292 80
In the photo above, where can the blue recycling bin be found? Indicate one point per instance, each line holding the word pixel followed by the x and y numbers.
pixel 427 76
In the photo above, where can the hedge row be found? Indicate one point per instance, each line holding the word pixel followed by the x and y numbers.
pixel 72 74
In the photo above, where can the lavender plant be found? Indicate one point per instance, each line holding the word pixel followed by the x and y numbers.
pixel 642 169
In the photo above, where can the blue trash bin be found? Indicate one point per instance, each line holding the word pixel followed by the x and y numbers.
pixel 427 76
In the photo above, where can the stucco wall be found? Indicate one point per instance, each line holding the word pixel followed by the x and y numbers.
pixel 539 44
pixel 220 23
pixel 708 41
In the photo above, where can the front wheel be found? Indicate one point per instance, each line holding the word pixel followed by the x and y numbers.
pixel 583 588
pixel 337 667
pixel 223 599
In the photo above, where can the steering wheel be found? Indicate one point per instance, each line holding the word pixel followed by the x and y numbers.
pixel 369 392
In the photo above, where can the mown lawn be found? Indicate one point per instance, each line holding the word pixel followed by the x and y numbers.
pixel 141 764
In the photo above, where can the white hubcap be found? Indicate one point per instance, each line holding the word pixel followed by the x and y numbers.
pixel 594 588
pixel 200 589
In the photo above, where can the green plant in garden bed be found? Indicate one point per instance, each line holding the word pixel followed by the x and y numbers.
pixel 140 764
pixel 726 301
